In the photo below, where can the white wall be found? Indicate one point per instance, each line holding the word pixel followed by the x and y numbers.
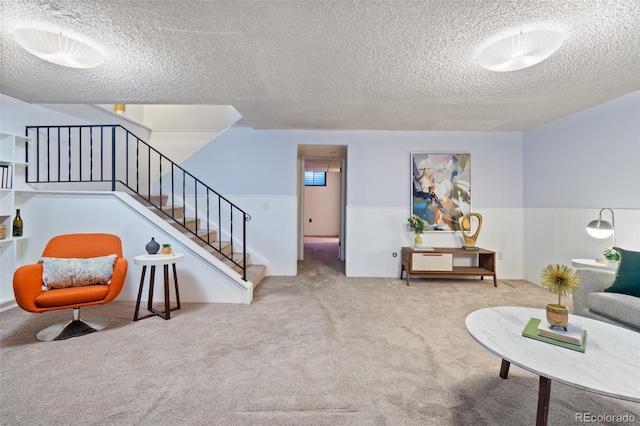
pixel 557 235
pixel 590 159
pixel 181 130
pixel 261 164
pixel 322 207
pixel 573 167
pixel 16 114
pixel 59 114
pixel 48 214
pixel 535 189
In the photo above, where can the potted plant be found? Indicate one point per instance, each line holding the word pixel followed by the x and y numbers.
pixel 166 249
pixel 611 254
pixel 417 225
pixel 561 281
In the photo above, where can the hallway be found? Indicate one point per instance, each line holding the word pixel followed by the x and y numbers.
pixel 321 252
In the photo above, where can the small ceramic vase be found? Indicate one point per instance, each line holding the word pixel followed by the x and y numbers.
pixel 557 315
pixel 152 246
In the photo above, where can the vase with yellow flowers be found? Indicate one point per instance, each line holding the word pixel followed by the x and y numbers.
pixel 561 281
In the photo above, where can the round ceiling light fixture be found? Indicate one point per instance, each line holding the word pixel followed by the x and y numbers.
pixel 521 50
pixel 58 49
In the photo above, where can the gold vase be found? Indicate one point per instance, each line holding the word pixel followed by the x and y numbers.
pixel 557 315
pixel 418 240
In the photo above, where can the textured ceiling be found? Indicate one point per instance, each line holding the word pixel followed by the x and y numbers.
pixel 341 64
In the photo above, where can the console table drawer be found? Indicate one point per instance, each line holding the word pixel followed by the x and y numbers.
pixel 432 262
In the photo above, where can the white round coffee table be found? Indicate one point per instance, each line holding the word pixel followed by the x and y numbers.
pixel 609 366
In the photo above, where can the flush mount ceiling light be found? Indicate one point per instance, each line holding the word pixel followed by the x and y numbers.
pixel 58 49
pixel 521 50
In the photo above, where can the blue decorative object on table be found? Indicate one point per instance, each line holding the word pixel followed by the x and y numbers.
pixel 152 246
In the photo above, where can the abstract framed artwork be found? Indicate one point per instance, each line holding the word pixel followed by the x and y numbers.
pixel 441 189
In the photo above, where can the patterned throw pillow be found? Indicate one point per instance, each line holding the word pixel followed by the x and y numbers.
pixel 76 272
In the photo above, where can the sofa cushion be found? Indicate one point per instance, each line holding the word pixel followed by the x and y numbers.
pixel 627 279
pixel 75 272
pixel 621 307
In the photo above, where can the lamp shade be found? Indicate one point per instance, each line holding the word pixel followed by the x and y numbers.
pixel 600 229
pixel 520 51
pixel 58 49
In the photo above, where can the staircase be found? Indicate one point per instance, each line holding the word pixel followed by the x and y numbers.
pixel 205 239
pixel 99 154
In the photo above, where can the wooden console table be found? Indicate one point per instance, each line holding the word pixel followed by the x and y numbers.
pixel 439 261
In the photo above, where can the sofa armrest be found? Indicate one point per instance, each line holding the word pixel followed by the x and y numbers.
pixel 591 280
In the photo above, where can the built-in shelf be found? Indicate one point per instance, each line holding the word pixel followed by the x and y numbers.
pixel 12 154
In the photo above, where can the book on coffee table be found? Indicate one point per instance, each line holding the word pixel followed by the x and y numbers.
pixel 531 331
pixel 572 334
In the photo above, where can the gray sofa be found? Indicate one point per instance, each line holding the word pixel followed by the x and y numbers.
pixel 591 301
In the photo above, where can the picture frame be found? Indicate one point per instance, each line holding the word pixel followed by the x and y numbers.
pixel 441 188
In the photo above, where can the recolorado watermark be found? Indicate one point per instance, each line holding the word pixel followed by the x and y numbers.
pixel 604 418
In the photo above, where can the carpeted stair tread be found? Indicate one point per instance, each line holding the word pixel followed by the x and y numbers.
pixel 150 199
pixel 159 200
pixel 184 222
pixel 212 238
pixel 153 202
pixel 176 211
pixel 223 247
pixel 256 274
pixel 238 258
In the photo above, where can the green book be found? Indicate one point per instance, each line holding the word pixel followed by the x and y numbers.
pixel 531 331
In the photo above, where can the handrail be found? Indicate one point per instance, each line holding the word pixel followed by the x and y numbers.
pixel 58 157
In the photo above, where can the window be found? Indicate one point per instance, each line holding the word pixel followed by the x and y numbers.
pixel 315 178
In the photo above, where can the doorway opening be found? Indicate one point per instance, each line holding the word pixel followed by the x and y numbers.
pixel 321 252
pixel 321 206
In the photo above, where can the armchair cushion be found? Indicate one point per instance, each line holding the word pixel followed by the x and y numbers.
pixel 59 273
pixel 72 296
pixel 627 279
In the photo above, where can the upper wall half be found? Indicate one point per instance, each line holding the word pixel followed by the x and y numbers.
pixel 245 161
pixel 590 159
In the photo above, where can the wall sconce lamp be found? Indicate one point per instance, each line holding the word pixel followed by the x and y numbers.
pixel 601 228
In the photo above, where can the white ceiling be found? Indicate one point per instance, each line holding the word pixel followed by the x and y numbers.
pixel 322 158
pixel 331 64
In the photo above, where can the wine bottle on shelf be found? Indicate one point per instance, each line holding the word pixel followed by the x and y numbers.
pixel 17 225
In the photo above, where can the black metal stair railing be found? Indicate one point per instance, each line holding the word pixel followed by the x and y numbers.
pixel 105 156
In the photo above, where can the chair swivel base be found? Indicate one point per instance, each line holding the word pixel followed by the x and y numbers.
pixel 74 328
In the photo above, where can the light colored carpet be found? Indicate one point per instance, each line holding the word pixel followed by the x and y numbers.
pixel 316 349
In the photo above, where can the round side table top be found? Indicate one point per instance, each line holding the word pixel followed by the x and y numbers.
pixel 158 259
pixel 593 263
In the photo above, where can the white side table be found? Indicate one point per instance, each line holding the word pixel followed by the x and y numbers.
pixel 154 260
pixel 593 264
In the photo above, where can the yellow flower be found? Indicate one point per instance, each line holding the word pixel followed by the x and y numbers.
pixel 560 280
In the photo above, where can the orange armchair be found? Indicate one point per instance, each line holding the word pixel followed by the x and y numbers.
pixel 28 283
